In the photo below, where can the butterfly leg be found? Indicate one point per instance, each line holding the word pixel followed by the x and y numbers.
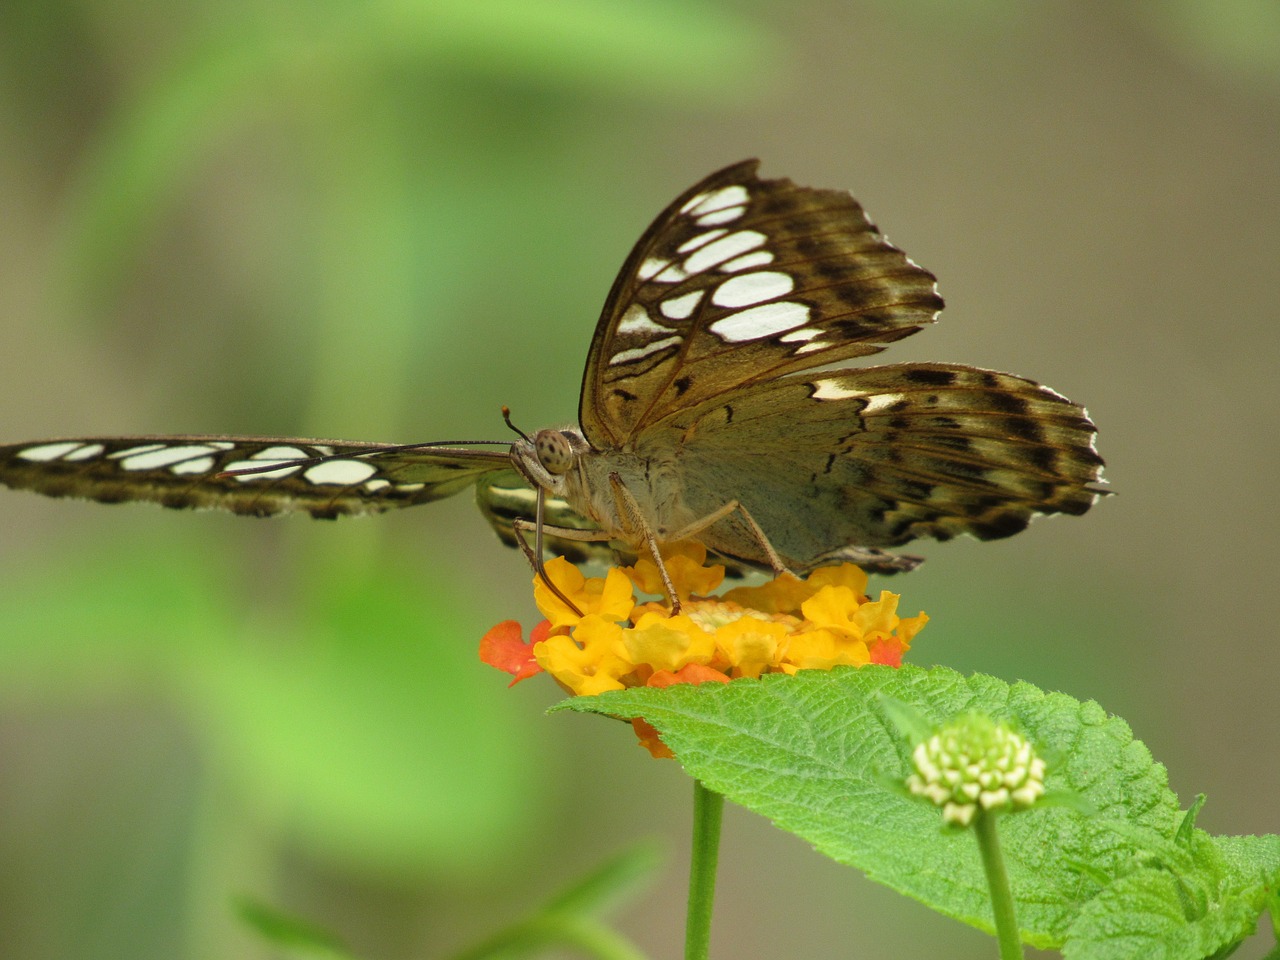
pixel 715 516
pixel 534 554
pixel 628 507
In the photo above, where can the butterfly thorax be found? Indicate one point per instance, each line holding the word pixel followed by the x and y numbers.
pixel 599 483
pixel 629 494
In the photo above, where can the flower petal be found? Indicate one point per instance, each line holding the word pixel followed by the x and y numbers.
pixel 610 596
pixel 503 647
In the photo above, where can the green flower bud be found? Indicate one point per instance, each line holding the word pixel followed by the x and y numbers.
pixel 974 763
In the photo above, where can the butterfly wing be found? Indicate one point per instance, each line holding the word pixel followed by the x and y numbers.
pixel 322 477
pixel 879 456
pixel 739 281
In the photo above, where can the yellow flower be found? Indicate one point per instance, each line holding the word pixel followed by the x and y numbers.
pixel 751 645
pixel 845 575
pixel 610 598
pixel 588 661
pixel 819 649
pixel 835 608
pixel 783 594
pixel 685 565
pixel 782 626
pixel 659 642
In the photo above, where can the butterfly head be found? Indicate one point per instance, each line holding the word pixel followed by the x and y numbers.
pixel 549 456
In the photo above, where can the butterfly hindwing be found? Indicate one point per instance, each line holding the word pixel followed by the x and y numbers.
pixel 884 455
pixel 323 477
pixel 741 280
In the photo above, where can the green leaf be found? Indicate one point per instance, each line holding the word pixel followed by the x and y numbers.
pixel 298 937
pixel 568 918
pixel 1252 860
pixel 1193 897
pixel 610 882
pixel 809 752
pixel 1163 913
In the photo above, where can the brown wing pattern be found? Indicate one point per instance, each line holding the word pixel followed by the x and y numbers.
pixel 884 455
pixel 738 281
pixel 322 477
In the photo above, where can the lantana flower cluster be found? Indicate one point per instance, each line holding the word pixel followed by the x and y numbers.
pixel 782 626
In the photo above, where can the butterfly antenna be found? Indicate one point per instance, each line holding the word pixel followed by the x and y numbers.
pixel 506 418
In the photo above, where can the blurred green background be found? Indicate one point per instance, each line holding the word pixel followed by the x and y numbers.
pixel 383 220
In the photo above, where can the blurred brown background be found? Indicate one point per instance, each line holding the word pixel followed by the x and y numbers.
pixel 382 221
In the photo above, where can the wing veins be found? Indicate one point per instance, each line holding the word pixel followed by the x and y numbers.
pixel 951 455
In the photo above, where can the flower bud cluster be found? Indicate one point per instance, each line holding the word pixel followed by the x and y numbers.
pixel 975 764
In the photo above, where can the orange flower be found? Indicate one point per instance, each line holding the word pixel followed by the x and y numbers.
pixel 782 626
pixel 502 647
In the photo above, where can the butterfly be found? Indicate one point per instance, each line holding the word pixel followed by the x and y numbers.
pixel 715 405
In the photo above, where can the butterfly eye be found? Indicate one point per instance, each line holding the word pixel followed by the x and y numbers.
pixel 555 453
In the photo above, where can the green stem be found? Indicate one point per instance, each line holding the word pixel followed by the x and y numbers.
pixel 998 880
pixel 708 808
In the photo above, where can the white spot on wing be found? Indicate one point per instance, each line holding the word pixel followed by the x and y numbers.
pixel 693 202
pixel 680 308
pixel 49 451
pixel 650 268
pixel 639 353
pixel 835 390
pixel 409 487
pixel 340 472
pixel 198 465
pixel 766 320
pixel 281 453
pixel 727 215
pixel 700 240
pixel 757 258
pixel 735 244
pixel 163 456
pixel 880 401
pixel 86 452
pixel 134 451
pixel 636 320
pixel 373 486
pixel 672 273
pixel 798 336
pixel 832 390
pixel 732 196
pixel 751 288
pixel 285 455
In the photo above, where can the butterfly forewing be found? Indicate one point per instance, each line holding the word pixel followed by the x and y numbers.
pixel 322 477
pixel 741 280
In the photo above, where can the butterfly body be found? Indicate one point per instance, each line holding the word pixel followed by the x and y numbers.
pixel 716 403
